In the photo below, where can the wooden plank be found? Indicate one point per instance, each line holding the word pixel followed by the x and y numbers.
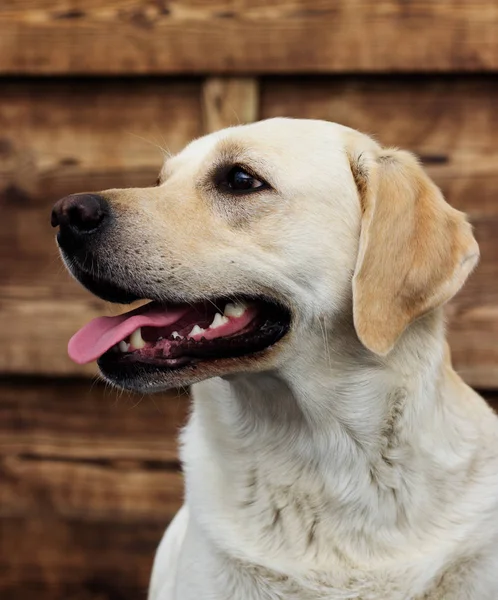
pixel 58 135
pixel 97 491
pixel 80 451
pixel 473 314
pixel 190 36
pixel 61 137
pixel 228 101
pixel 86 421
pixel 41 328
pixel 48 557
pixel 89 479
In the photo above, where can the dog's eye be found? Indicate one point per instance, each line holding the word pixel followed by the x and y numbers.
pixel 239 180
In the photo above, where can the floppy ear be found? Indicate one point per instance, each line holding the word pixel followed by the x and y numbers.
pixel 415 250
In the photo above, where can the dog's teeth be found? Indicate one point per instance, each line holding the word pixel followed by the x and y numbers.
pixel 176 336
pixel 123 346
pixel 236 309
pixel 218 321
pixel 136 339
pixel 196 330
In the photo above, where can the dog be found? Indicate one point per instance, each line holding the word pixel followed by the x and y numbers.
pixel 296 272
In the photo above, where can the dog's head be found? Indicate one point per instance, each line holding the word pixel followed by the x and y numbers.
pixel 250 236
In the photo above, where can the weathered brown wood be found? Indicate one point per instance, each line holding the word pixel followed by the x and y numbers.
pixel 41 327
pixel 228 101
pixel 61 137
pixel 50 557
pixel 89 479
pixel 57 135
pixel 84 452
pixel 83 421
pixel 189 36
pixel 473 314
pixel 96 490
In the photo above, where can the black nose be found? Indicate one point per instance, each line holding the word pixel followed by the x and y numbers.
pixel 80 214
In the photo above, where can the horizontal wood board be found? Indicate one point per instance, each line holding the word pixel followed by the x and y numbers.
pixel 246 37
pixel 89 479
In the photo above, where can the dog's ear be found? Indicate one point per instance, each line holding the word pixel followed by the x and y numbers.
pixel 415 250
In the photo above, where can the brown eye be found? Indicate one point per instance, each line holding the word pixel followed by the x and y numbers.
pixel 239 180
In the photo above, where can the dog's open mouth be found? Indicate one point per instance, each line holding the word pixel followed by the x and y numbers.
pixel 176 335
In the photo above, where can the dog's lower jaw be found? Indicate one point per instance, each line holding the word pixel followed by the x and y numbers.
pixel 323 477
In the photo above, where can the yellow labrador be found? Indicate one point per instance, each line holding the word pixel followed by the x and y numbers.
pixel 296 272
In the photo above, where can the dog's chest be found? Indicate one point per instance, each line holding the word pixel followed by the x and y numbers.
pixel 225 578
pixel 205 572
pixel 295 532
pixel 260 506
pixel 222 577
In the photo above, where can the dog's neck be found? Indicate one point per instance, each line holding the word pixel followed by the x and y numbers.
pixel 309 464
pixel 331 394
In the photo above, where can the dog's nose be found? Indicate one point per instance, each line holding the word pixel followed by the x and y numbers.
pixel 80 214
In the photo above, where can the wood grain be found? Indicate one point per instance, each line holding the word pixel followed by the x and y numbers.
pixel 54 558
pixel 97 490
pixel 60 137
pixel 86 421
pixel 473 315
pixel 89 479
pixel 77 451
pixel 193 36
pixel 228 101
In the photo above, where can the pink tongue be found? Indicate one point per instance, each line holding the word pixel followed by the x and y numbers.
pixel 101 334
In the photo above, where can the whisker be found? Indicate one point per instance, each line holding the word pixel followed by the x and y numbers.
pixel 164 151
pixel 168 151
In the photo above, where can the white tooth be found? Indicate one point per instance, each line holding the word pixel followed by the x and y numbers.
pixel 196 330
pixel 236 309
pixel 136 339
pixel 218 321
pixel 177 336
pixel 123 346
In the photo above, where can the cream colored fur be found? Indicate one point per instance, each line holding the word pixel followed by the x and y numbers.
pixel 353 462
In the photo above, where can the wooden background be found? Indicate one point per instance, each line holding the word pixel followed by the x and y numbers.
pixel 89 92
